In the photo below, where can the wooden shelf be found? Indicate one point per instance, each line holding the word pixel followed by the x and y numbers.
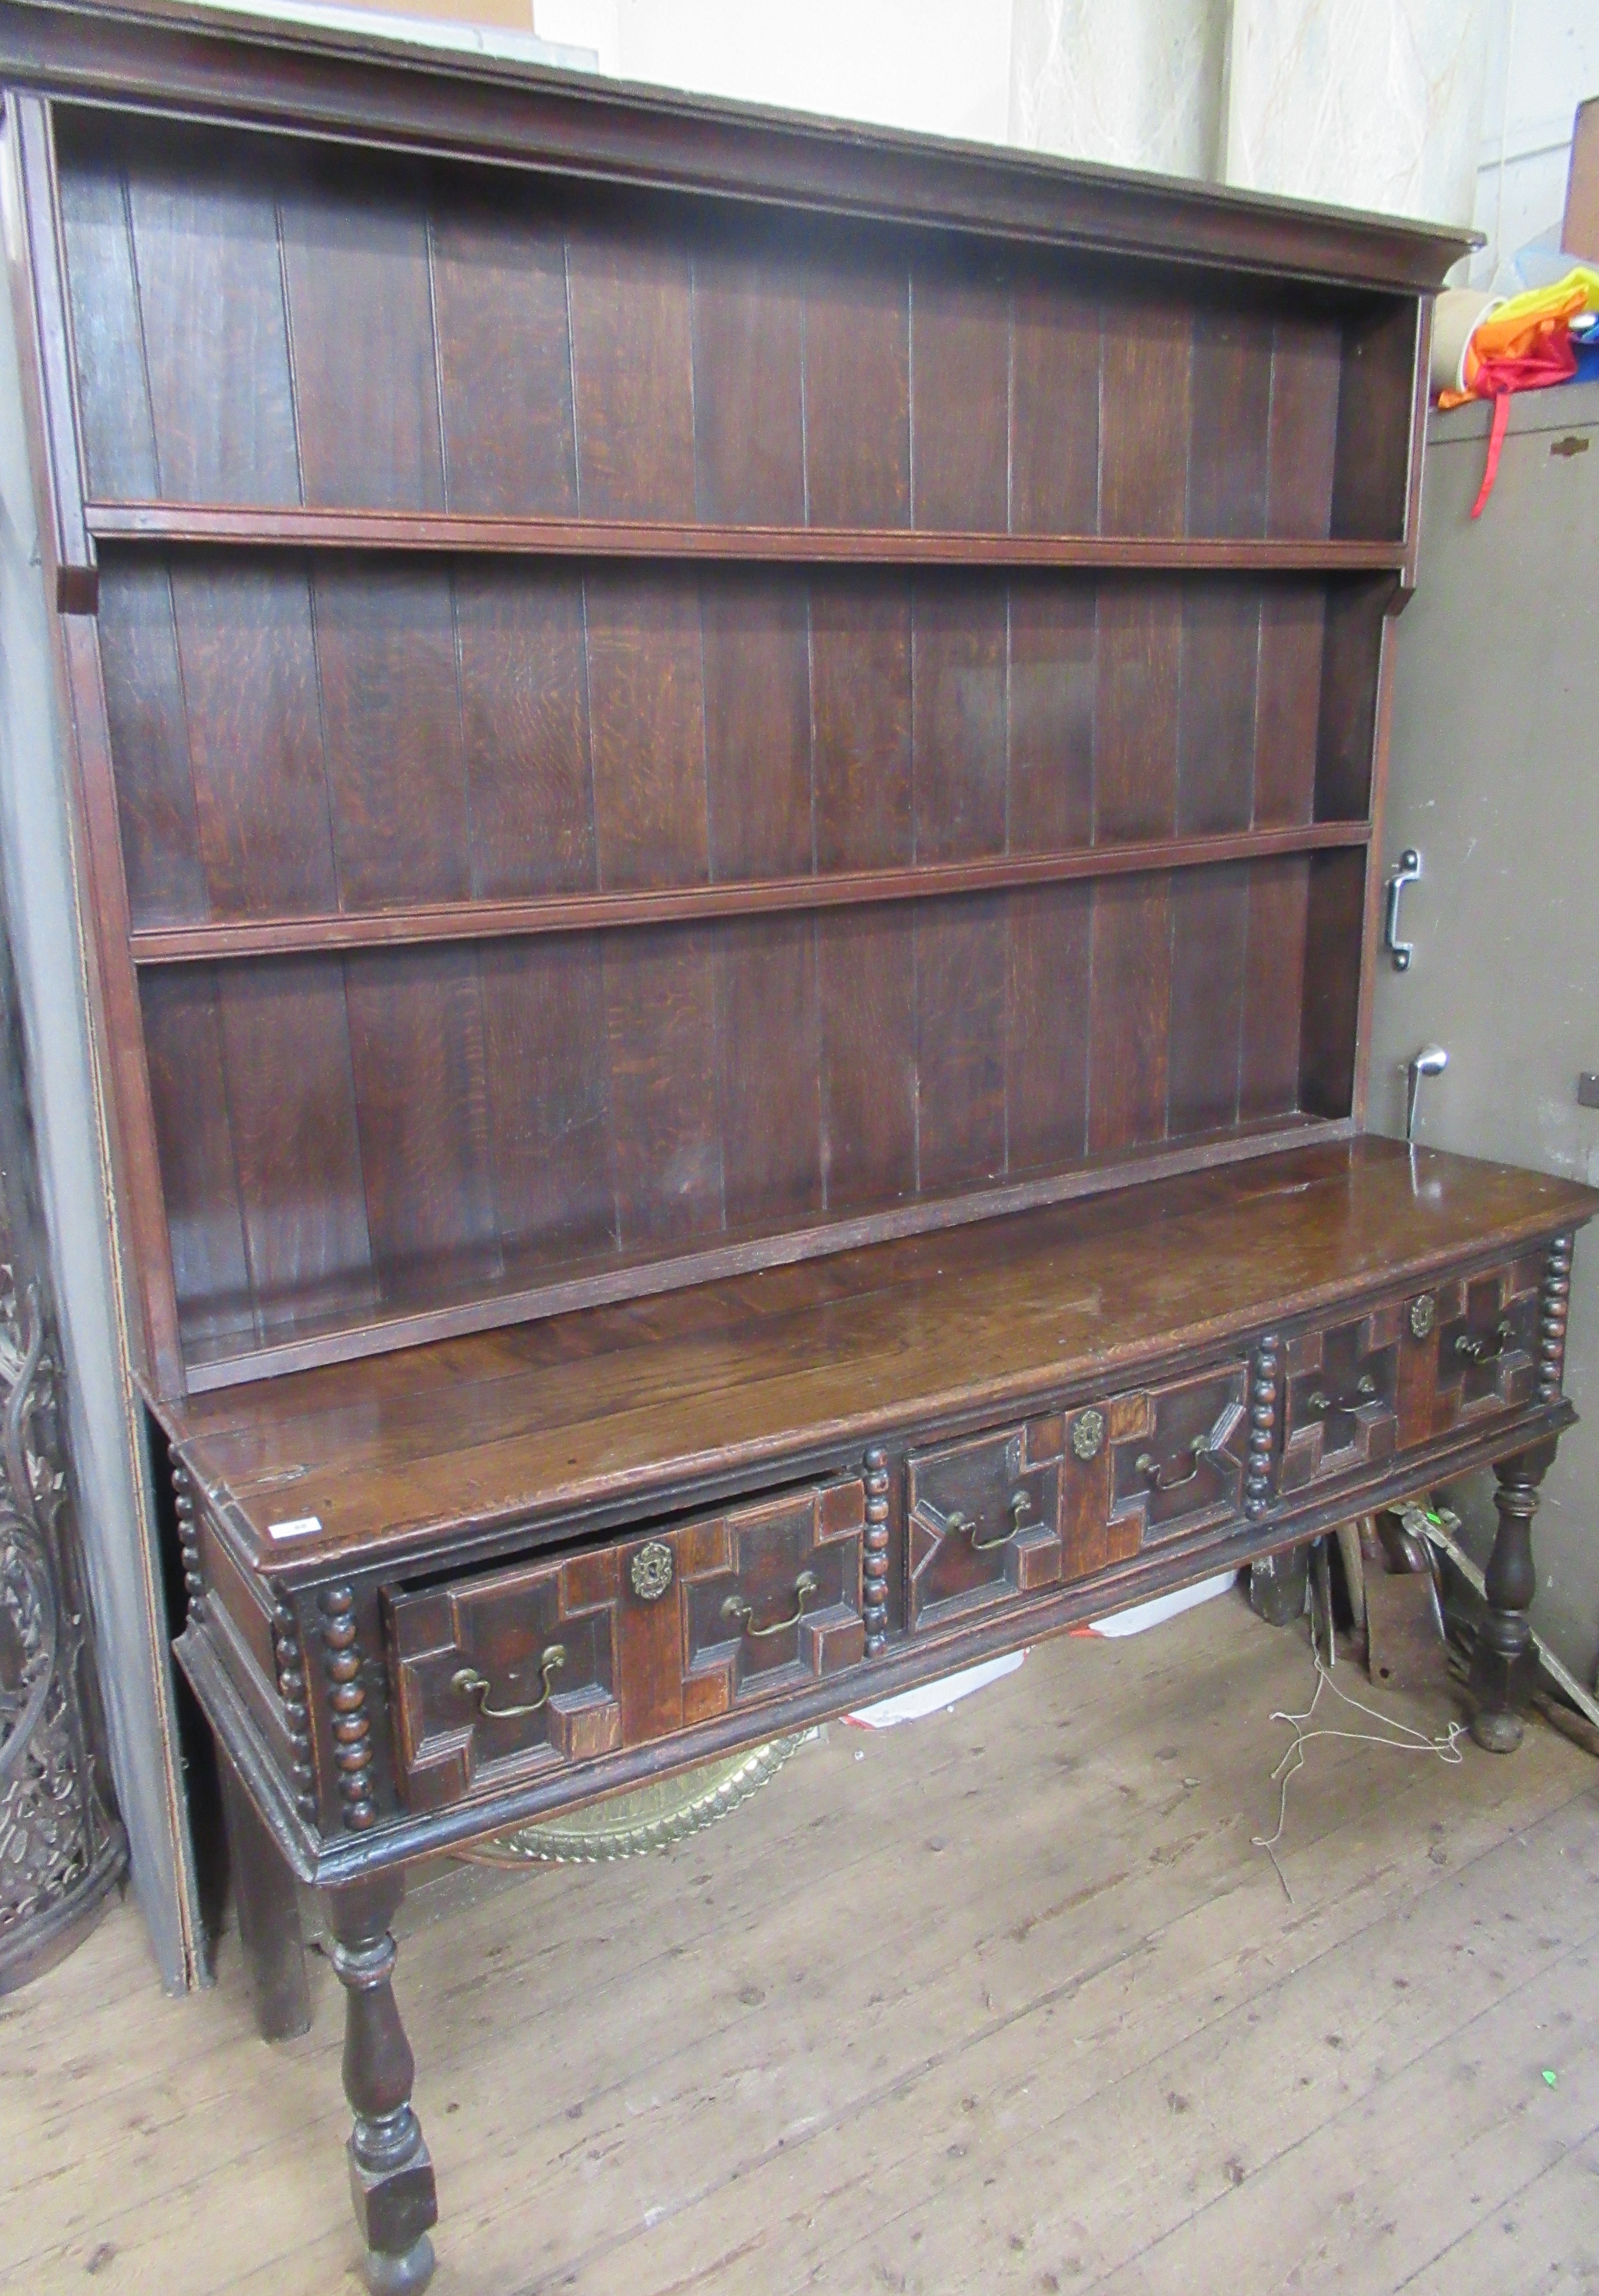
pixel 447 921
pixel 575 538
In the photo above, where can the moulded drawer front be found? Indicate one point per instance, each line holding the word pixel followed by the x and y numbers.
pixel 511 1671
pixel 1157 1463
pixel 1468 1349
pixel 983 1520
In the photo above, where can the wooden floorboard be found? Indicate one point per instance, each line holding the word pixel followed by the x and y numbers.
pixel 1006 1999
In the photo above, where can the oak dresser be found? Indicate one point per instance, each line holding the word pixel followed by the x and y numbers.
pixel 728 780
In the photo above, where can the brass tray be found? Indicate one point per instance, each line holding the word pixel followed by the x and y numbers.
pixel 651 1817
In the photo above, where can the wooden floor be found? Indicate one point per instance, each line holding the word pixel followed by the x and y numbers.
pixel 1002 2000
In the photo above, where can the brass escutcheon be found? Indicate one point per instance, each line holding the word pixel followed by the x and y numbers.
pixel 1088 1434
pixel 650 1571
pixel 1423 1315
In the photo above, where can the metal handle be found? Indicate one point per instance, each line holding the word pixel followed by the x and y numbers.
pixel 470 1684
pixel 735 1607
pixel 954 1520
pixel 1407 874
pixel 1477 1349
pixel 1159 1481
pixel 1365 1389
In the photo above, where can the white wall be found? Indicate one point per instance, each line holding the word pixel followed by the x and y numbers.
pixel 1543 62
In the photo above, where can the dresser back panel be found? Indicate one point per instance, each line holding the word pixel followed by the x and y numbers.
pixel 647 734
pixel 282 324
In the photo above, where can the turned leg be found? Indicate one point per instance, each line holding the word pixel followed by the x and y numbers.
pixel 267 1905
pixel 391 2174
pixel 1503 1666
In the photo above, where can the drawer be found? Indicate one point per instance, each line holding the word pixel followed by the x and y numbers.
pixel 1451 1357
pixel 983 1520
pixel 506 1674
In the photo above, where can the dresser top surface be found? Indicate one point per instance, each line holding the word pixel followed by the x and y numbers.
pixel 393 1454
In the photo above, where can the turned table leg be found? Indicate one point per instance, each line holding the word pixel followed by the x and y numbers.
pixel 391 2174
pixel 1502 1668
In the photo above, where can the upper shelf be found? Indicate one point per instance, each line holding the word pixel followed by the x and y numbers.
pixel 589 537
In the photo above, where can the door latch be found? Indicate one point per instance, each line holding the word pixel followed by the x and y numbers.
pixel 1408 870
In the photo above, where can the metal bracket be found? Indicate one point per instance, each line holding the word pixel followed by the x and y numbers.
pixel 1408 871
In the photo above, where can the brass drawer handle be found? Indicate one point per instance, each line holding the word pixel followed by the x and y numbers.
pixel 470 1684
pixel 1477 1349
pixel 954 1520
pixel 1365 1389
pixel 1159 1481
pixel 735 1607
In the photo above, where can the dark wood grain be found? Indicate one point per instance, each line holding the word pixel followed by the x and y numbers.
pixel 866 980
pixel 291 1109
pixel 1217 707
pixel 861 715
pixel 1051 701
pixel 1288 701
pixel 633 375
pixel 1055 413
pixel 524 722
pixel 1332 997
pixel 1273 987
pixel 661 1021
pixel 748 390
pixel 842 544
pixel 505 354
pixel 857 395
pixel 114 392
pixel 769 1071
pixel 958 720
pixel 492 920
pixel 254 732
pixel 215 337
pixel 549 1095
pixel 392 720
pixel 646 698
pixel 1230 412
pixel 1130 1002
pixel 417 1052
pixel 960 400
pixel 758 726
pixel 962 953
pixel 1306 372
pixel 1351 657
pixel 1137 676
pixel 1371 482
pixel 361 339
pixel 1144 361
pixel 1046 1026
pixel 189 1102
pixel 150 749
pixel 1209 921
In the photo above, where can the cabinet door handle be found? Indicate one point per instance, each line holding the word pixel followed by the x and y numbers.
pixel 1407 874
pixel 1365 1391
pixel 954 1520
pixel 1478 1350
pixel 470 1684
pixel 1155 1475
pixel 735 1607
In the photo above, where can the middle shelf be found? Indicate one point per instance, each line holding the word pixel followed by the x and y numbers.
pixel 494 920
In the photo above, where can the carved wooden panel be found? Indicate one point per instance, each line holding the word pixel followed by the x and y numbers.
pixel 1177 1458
pixel 983 1520
pixel 1342 1388
pixel 772 1597
pixel 1470 1348
pixel 480 1687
